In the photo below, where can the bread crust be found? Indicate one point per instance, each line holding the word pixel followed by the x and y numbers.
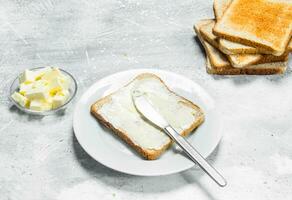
pixel 208 47
pixel 238 71
pixel 238 50
pixel 243 71
pixel 243 60
pixel 219 7
pixel 149 154
pixel 271 58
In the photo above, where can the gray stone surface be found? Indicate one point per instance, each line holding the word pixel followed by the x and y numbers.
pixel 41 159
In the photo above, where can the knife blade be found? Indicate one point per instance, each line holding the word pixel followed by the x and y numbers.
pixel 146 109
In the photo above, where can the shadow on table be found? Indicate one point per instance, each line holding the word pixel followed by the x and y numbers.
pixel 245 79
pixel 158 184
pixel 22 116
pixel 28 117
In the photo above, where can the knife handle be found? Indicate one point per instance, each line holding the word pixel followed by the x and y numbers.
pixel 195 156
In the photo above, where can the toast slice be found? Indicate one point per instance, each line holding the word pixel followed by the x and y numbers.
pixel 260 69
pixel 243 60
pixel 229 47
pixel 217 62
pixel 219 7
pixel 118 113
pixel 271 58
pixel 264 24
pixel 238 60
pixel 216 58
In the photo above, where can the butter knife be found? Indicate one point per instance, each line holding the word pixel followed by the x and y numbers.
pixel 145 108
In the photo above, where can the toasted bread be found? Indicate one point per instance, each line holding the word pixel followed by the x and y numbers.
pixel 216 58
pixel 217 62
pixel 243 60
pixel 264 24
pixel 229 47
pixel 238 60
pixel 219 7
pixel 260 69
pixel 271 58
pixel 118 113
pixel 290 46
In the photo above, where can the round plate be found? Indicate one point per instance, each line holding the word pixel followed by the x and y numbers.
pixel 109 150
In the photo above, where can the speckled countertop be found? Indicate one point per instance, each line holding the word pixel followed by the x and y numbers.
pixel 40 157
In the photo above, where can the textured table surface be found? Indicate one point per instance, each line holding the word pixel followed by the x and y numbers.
pixel 41 159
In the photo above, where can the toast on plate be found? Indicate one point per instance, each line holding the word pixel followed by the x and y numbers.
pixel 118 113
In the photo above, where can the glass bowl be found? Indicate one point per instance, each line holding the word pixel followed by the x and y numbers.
pixel 72 89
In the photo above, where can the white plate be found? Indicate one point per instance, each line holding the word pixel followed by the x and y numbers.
pixel 106 148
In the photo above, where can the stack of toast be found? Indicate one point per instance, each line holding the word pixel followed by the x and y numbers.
pixel 247 37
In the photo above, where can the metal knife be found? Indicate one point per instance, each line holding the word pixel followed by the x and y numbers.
pixel 149 112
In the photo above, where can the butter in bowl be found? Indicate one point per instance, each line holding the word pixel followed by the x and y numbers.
pixel 43 91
